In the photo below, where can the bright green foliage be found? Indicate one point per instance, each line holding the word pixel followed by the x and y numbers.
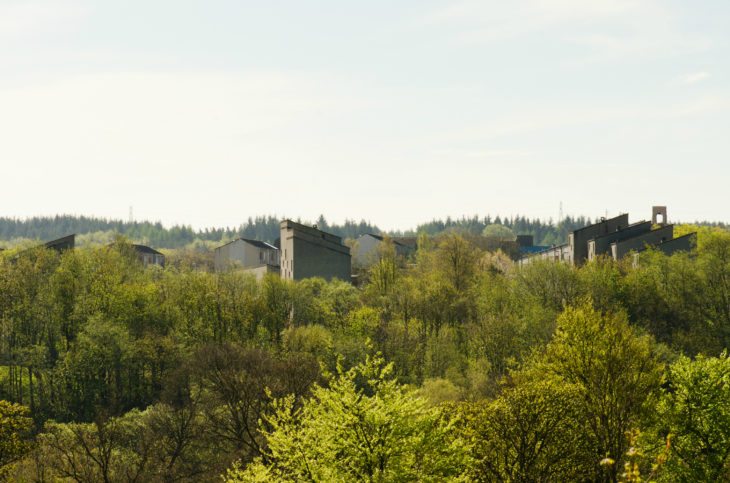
pixel 15 427
pixel 694 415
pixel 92 336
pixel 312 339
pixel 615 371
pixel 381 431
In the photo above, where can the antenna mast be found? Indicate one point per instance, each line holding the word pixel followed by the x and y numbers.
pixel 560 216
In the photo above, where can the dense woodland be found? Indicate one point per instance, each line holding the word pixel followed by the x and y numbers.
pixel 456 365
pixel 96 231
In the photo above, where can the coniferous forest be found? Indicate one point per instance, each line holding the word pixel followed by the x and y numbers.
pixel 265 228
pixel 454 365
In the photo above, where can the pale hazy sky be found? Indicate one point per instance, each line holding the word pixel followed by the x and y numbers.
pixel 207 112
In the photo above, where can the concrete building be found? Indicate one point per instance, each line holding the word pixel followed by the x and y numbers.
pixel 149 256
pixel 616 238
pixel 242 253
pixel 367 247
pixel 308 252
pixel 620 248
pixel 684 243
pixel 578 240
pixel 146 255
pixel 602 244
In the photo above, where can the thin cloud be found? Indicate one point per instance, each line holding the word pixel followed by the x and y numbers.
pixel 646 28
pixel 23 19
pixel 695 77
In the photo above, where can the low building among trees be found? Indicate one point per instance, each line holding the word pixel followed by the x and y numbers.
pixel 149 256
pixel 243 253
pixel 616 238
pixel 367 248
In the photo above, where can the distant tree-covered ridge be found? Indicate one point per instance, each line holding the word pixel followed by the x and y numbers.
pixel 101 230
pixel 94 230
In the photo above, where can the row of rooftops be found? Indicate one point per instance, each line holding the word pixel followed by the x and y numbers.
pixel 616 238
pixel 147 255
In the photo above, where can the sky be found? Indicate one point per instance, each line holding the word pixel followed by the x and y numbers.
pixel 396 112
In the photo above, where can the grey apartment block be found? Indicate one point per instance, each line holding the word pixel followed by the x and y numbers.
pixel 616 238
pixel 602 244
pixel 245 254
pixel 578 240
pixel 308 252
pixel 620 249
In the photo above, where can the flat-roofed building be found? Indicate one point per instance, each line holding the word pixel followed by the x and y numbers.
pixel 308 252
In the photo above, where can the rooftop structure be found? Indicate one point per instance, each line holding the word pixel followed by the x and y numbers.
pixel 616 238
pixel 308 252
pixel 61 244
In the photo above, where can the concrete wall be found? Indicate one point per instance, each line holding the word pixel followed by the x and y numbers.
pixel 365 251
pixel 578 240
pixel 602 244
pixel 307 252
pixel 242 254
pixel 620 249
pixel 684 243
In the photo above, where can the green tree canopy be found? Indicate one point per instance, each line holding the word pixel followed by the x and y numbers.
pixel 15 427
pixel 693 420
pixel 499 231
pixel 363 427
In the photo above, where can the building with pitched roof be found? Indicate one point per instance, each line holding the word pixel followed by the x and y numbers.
pixel 367 248
pixel 149 256
pixel 243 253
